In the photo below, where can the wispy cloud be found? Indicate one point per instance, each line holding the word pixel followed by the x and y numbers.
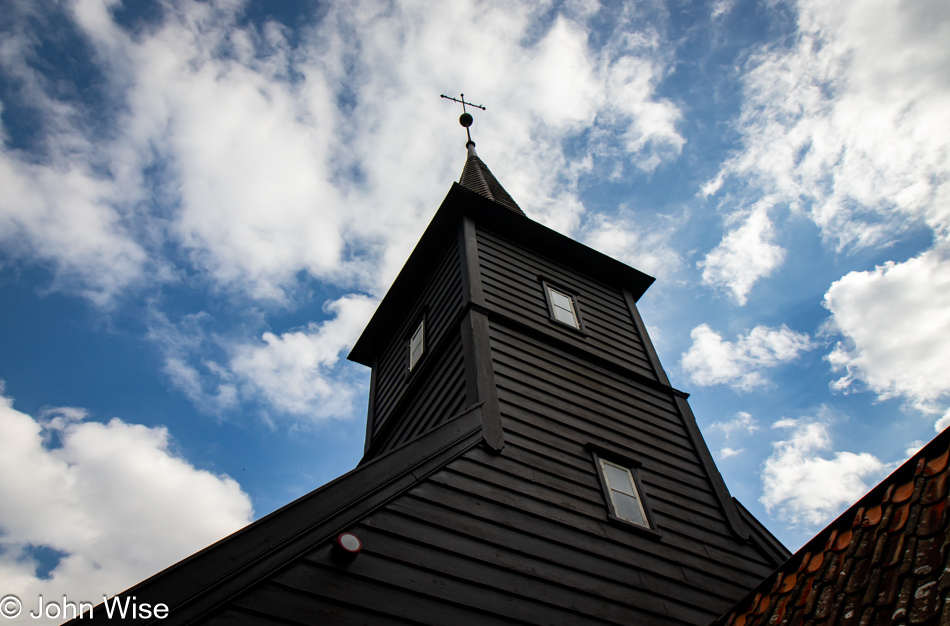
pixel 648 249
pixel 849 125
pixel 742 422
pixel 726 453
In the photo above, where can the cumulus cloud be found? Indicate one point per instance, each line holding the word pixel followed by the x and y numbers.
pixel 804 487
pixel 745 254
pixel 712 361
pixel 103 497
pixel 896 325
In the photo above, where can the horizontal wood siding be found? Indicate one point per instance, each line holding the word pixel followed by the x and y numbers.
pixel 511 286
pixel 442 294
pixel 509 539
pixel 431 401
pixel 552 403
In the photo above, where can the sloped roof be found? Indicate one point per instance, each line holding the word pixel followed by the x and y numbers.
pixel 459 203
pixel 476 177
pixel 883 561
pixel 204 581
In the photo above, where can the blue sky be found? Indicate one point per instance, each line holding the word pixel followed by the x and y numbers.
pixel 204 201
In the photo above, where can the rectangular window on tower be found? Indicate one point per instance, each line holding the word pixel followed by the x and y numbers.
pixel 417 344
pixel 563 306
pixel 622 489
pixel 623 493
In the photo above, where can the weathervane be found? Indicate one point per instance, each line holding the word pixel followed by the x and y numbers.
pixel 465 119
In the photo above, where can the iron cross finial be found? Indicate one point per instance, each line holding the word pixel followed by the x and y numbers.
pixel 465 119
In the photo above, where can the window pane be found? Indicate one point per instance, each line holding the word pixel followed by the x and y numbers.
pixel 618 479
pixel 628 507
pixel 565 315
pixel 417 344
pixel 558 299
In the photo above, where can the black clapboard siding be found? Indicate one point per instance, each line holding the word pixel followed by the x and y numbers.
pixel 603 543
pixel 525 416
pixel 530 405
pixel 669 512
pixel 510 284
pixel 430 585
pixel 291 606
pixel 441 297
pixel 545 556
pixel 523 352
pixel 237 617
pixel 677 516
pixel 430 402
pixel 565 381
pixel 541 600
pixel 584 501
pixel 579 464
pixel 476 497
pixel 583 526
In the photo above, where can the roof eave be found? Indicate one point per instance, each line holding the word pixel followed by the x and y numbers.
pixel 460 202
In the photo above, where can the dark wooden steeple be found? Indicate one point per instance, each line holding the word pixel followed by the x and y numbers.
pixel 527 460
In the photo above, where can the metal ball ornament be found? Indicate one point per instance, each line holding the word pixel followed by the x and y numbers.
pixel 466 120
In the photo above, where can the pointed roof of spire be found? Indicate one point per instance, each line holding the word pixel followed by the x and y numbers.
pixel 476 177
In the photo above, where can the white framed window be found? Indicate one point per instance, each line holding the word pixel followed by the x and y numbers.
pixel 562 306
pixel 621 488
pixel 417 344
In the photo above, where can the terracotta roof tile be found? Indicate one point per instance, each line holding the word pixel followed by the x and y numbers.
pixel 886 560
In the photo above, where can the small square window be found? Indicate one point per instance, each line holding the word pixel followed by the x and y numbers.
pixel 563 307
pixel 621 486
pixel 417 344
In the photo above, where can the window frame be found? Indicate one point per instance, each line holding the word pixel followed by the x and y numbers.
pixel 548 286
pixel 419 324
pixel 600 454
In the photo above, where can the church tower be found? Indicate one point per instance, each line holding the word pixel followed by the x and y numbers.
pixel 527 460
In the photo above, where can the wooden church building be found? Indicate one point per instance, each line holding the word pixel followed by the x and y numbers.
pixel 527 461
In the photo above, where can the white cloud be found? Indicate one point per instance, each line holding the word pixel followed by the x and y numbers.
pixel 896 324
pixel 294 373
pixel 742 422
pixel 712 361
pixel 806 488
pixel 105 496
pixel 259 172
pixel 941 424
pixel 745 254
pixel 648 250
pixel 725 453
pixel 850 124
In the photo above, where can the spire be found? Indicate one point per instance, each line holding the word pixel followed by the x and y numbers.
pixel 475 175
